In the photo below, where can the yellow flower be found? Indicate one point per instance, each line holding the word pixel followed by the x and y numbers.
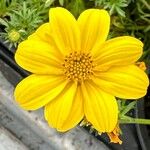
pixel 76 72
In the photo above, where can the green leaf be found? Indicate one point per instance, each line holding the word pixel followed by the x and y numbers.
pixel 3 22
pixel 76 7
pixel 127 108
pixel 49 3
pixel 61 2
pixel 120 12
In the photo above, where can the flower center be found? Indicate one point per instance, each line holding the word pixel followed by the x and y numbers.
pixel 78 66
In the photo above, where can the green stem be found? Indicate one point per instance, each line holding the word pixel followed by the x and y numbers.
pixel 146 4
pixel 128 108
pixel 130 120
pixel 145 19
pixel 136 28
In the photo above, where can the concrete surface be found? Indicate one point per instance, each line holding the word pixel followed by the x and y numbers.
pixel 9 142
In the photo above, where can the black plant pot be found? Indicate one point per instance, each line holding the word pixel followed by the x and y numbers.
pixel 8 66
pixel 143 111
pixel 135 137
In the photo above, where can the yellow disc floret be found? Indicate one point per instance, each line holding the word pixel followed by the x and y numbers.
pixel 78 66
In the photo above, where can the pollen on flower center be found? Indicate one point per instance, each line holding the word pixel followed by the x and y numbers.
pixel 78 66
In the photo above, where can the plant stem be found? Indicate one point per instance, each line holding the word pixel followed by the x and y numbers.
pixel 130 120
pixel 146 4
pixel 128 108
pixel 137 27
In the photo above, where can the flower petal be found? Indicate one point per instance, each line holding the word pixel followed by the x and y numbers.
pixel 119 51
pixel 42 33
pixel 38 57
pixel 100 108
pixel 66 111
pixel 94 25
pixel 128 82
pixel 65 30
pixel 35 91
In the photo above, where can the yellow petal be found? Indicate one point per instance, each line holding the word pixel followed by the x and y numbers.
pixel 100 108
pixel 66 111
pixel 34 36
pixel 94 25
pixel 35 91
pixel 128 82
pixel 38 57
pixel 42 33
pixel 65 30
pixel 119 51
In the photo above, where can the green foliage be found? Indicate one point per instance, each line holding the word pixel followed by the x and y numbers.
pixel 113 6
pixel 125 107
pixel 6 6
pixel 22 21
pixel 76 7
pixel 20 24
pixel 61 2
pixel 49 3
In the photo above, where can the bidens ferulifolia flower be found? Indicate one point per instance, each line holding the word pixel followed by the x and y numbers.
pixel 76 72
